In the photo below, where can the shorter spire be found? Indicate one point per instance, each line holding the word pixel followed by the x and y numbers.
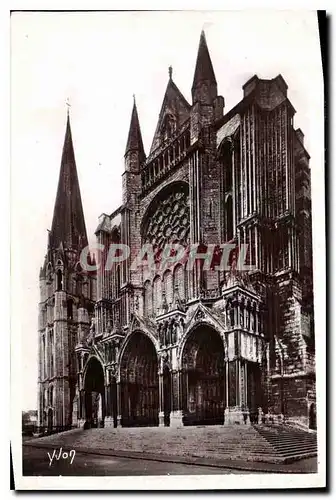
pixel 204 69
pixel 134 141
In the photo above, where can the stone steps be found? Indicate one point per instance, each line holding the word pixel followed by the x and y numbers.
pixel 249 443
pixel 289 444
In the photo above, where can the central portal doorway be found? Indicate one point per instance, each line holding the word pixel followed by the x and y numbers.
pixel 139 383
pixel 203 378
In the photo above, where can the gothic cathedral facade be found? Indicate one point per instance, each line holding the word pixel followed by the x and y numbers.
pixel 137 346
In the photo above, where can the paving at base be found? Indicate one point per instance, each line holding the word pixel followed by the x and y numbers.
pixel 199 446
pixel 37 463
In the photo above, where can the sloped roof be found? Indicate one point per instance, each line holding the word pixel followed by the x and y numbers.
pixel 174 104
pixel 228 129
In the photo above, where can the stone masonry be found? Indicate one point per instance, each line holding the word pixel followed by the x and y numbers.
pixel 174 346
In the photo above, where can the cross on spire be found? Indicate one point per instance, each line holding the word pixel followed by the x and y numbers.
pixel 68 105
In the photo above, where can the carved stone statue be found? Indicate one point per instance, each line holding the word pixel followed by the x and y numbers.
pixel 228 317
pixel 165 333
pixel 241 316
pixel 252 324
pixel 174 327
pixel 177 304
pixel 181 327
pixel 170 331
pixel 199 315
pixel 92 333
pixel 164 303
pixel 160 333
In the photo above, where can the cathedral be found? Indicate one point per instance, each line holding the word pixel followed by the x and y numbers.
pixel 125 345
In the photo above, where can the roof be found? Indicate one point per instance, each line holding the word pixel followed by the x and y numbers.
pixel 176 107
pixel 228 129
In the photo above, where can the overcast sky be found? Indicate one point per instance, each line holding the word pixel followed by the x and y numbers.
pixel 98 61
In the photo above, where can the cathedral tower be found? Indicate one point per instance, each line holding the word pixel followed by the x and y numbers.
pixel 66 298
pixel 178 344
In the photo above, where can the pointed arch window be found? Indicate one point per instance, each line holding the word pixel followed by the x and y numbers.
pixel 43 357
pixel 59 281
pixel 168 286
pixel 228 176
pixel 229 218
pixel 179 281
pixel 70 309
pixel 156 294
pixel 51 352
pixel 148 298
pixel 226 155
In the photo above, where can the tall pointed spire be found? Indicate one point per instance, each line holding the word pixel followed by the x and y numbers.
pixel 68 225
pixel 134 141
pixel 204 72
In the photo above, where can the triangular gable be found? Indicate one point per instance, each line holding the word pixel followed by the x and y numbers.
pixel 98 352
pixel 236 280
pixel 60 255
pixel 175 109
pixel 135 323
pixel 146 325
pixel 203 314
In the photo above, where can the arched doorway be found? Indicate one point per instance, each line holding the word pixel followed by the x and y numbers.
pixel 94 394
pixel 203 378
pixel 139 383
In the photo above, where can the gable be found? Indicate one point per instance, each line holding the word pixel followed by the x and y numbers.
pixel 175 110
pixel 203 314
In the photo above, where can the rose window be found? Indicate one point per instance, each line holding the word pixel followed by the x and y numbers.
pixel 168 219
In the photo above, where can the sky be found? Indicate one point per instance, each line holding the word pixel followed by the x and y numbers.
pixel 96 62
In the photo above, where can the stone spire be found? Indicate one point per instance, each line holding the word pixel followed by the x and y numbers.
pixel 204 75
pixel 134 141
pixel 68 225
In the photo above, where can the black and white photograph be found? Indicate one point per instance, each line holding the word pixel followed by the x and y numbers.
pixel 167 250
